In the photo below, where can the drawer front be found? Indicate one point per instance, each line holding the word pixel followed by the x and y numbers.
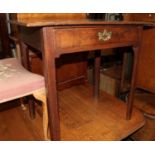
pixel 82 37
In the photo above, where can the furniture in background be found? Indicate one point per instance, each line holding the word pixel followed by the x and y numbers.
pixel 16 82
pixel 4 37
pixel 145 76
pixel 114 71
pixel 71 69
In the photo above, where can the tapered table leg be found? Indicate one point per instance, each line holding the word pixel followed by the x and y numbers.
pixel 97 73
pixel 133 84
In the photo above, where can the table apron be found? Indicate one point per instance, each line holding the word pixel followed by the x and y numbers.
pixel 76 39
pixel 80 39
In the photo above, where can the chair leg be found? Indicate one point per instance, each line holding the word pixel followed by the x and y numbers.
pixel 22 104
pixel 40 95
pixel 31 104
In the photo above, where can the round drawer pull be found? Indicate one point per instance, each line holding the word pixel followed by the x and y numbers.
pixel 105 35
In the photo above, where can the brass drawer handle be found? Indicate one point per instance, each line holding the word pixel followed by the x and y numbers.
pixel 105 35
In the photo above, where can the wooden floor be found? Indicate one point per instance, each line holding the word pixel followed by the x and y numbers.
pixel 82 118
pixel 15 124
pixel 146 103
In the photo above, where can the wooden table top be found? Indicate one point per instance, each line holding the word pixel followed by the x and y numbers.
pixel 41 23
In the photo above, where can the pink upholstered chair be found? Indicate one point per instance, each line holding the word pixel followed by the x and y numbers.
pixel 17 82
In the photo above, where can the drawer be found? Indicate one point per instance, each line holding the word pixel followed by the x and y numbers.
pixel 83 37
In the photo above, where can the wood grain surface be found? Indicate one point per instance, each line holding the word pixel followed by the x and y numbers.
pixel 82 118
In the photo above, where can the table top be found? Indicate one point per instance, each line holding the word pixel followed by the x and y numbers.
pixel 84 22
